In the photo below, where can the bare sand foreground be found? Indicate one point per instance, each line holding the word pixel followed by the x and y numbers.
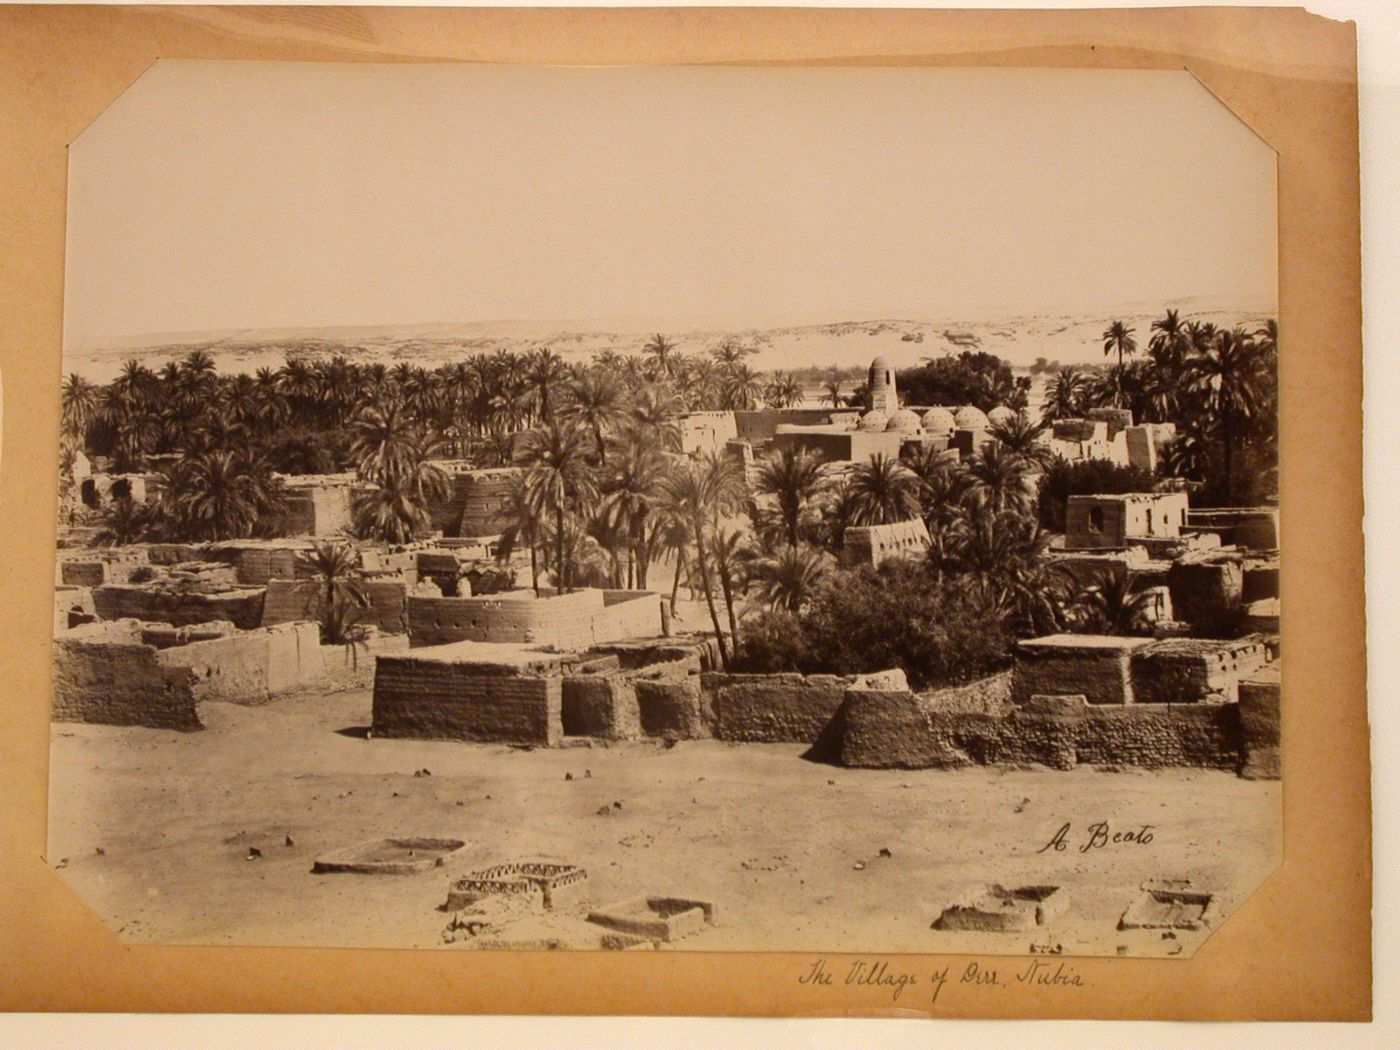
pixel 153 829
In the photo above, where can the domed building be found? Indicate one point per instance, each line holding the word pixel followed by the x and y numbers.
pixel 1001 416
pixel 939 420
pixel 904 421
pixel 872 421
pixel 970 417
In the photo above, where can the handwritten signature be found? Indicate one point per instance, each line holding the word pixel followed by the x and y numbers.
pixel 1098 836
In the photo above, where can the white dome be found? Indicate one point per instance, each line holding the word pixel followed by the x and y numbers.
pixel 970 417
pixel 906 421
pixel 1001 415
pixel 939 420
pixel 872 421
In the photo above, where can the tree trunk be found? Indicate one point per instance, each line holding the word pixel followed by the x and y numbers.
pixel 561 578
pixel 676 583
pixel 710 595
pixel 534 568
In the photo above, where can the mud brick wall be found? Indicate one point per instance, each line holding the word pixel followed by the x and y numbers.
pixel 112 683
pixel 761 424
pixel 257 565
pixel 107 567
pixel 1260 719
pixel 352 667
pixel 601 705
pixel 772 708
pixel 175 553
pixel 292 600
pixel 1060 667
pixel 1190 670
pixel 1205 591
pixel 242 607
pixel 249 667
pixel 568 621
pixel 674 708
pixel 898 730
pixel 69 600
pixel 874 545
pixel 1253 527
pixel 440 700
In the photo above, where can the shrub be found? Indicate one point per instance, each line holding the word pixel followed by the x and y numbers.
pixel 871 620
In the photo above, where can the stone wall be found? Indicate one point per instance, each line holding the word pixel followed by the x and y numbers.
pixel 873 545
pixel 441 699
pixel 772 708
pixel 120 683
pixel 241 606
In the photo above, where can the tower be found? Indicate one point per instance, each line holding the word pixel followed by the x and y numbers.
pixel 882 396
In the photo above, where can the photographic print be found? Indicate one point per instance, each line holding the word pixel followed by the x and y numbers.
pixel 704 509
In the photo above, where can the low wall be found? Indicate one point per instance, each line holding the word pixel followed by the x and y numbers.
pixel 1094 666
pixel 1260 722
pixel 243 607
pixel 873 545
pixel 289 601
pixel 600 705
pixel 252 666
pixel 1192 670
pixel 567 622
pixel 1206 590
pixel 440 699
pixel 882 730
pixel 772 708
pixel 123 684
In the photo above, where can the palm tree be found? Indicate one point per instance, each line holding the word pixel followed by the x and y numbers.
pixel 123 521
pixel 632 491
pixel 730 553
pixel 396 510
pixel 213 496
pixel 524 513
pixel 1004 556
pixel 788 579
pixel 1110 603
pixel 655 412
pixel 557 457
pixel 1226 371
pixel 1118 338
pixel 833 391
pixel 336 568
pixel 885 491
pixel 1064 395
pixel 794 478
pixel 742 387
pixel 661 350
pixel 697 494
pixel 999 480
pixel 594 400
pixel 81 402
pixel 1022 438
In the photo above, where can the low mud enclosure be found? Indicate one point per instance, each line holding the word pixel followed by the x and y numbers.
pixel 704 845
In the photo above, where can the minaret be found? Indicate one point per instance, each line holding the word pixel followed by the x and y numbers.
pixel 882 396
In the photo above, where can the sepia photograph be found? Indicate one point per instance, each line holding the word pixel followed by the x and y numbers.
pixel 707 509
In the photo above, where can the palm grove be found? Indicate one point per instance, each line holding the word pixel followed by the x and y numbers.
pixel 605 496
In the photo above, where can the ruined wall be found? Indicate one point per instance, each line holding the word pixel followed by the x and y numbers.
pixel 885 730
pixel 771 708
pixel 600 705
pixel 442 700
pixel 352 667
pixel 674 708
pixel 1260 723
pixel 123 684
pixel 250 667
pixel 258 562
pixel 1206 589
pixel 1192 670
pixel 72 605
pixel 1093 666
pixel 873 545
pixel 243 606
pixel 1252 527
pixel 95 568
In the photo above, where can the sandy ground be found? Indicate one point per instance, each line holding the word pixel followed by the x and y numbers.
pixel 152 829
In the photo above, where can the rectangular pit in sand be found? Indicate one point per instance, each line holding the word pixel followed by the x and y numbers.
pixel 406 856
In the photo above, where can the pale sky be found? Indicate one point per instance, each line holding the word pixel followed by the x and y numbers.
pixel 235 195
